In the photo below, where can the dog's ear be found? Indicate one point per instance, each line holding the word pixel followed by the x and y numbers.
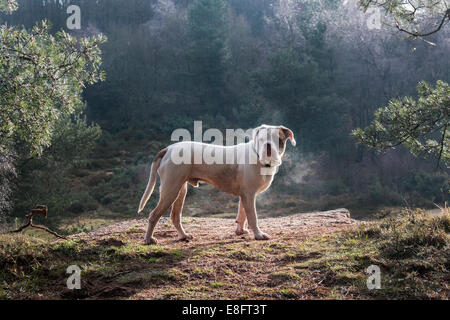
pixel 289 134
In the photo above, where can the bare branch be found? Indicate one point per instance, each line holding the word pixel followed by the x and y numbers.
pixel 419 34
pixel 42 210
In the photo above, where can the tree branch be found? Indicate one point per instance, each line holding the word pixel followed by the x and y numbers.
pixel 42 210
pixel 418 34
pixel 442 147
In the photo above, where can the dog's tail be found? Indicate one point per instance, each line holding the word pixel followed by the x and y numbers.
pixel 152 179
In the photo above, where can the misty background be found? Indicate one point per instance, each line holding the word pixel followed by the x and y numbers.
pixel 320 68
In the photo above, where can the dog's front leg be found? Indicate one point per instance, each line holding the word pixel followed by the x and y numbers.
pixel 249 201
pixel 240 220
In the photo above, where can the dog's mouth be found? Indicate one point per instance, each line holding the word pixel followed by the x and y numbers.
pixel 269 150
pixel 266 160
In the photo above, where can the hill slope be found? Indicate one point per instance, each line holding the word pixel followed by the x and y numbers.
pixel 217 263
pixel 310 256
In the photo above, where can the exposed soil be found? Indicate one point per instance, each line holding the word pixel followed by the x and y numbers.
pixel 216 263
pixel 213 230
pixel 321 255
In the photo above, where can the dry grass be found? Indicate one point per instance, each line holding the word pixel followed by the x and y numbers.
pixel 313 256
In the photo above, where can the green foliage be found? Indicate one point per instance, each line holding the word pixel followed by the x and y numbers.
pixel 413 232
pixel 294 81
pixel 7 175
pixel 46 179
pixel 73 139
pixel 310 65
pixel 8 5
pixel 289 70
pixel 421 125
pixel 42 78
pixel 207 50
pixel 433 186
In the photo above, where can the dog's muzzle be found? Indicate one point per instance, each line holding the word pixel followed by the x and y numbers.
pixel 265 165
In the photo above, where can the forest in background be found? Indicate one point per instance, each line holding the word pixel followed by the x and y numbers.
pixel 313 66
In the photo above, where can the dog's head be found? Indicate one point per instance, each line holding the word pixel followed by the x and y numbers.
pixel 270 143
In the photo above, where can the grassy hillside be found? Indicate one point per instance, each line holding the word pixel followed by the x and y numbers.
pixel 309 256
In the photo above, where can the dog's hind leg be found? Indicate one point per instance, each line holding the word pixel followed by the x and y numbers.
pixel 168 194
pixel 240 220
pixel 175 215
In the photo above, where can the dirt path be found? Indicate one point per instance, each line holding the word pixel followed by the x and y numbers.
pixel 210 230
pixel 216 263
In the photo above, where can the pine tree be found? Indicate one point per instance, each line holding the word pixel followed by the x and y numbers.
pixel 207 51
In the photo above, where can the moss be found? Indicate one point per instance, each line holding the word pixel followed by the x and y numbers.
pixel 283 276
pixel 217 284
pixel 247 255
pixel 287 293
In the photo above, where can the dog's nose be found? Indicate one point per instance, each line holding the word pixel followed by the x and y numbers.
pixel 269 150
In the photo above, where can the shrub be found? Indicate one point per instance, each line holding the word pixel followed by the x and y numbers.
pixel 414 230
pixel 434 186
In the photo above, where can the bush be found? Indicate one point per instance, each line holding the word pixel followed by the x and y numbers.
pixel 434 186
pixel 336 187
pixel 414 230
pixel 7 173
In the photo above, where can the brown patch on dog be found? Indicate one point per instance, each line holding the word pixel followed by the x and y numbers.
pixel 286 133
pixel 160 154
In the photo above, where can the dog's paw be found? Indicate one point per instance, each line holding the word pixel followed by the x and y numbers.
pixel 186 237
pixel 151 240
pixel 262 236
pixel 241 232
